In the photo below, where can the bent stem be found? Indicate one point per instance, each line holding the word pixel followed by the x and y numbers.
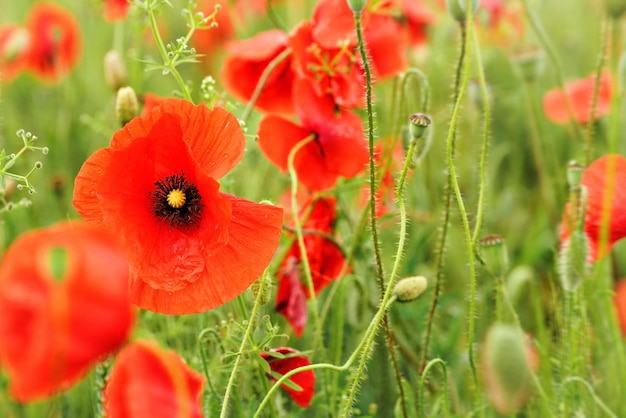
pixel 244 340
pixel 261 84
pixel 444 372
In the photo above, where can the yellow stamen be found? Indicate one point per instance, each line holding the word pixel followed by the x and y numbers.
pixel 176 198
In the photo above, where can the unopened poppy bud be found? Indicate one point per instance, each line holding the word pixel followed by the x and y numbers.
pixel 8 188
pixel 357 6
pixel 530 63
pixel 507 368
pixel 495 255
pixel 410 288
pixel 126 105
pixel 115 70
pixel 573 260
pixel 266 291
pixel 458 8
pixel 574 174
pixel 615 8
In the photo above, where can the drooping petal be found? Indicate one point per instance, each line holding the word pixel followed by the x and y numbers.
pixel 254 231
pixel 305 379
pixel 65 305
pixel 148 382
pixel 580 94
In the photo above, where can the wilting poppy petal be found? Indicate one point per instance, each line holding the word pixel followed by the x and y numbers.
pixel 291 296
pixel 245 63
pixel 156 184
pixel 595 179
pixel 148 382
pixel 305 379
pixel 14 47
pixel 116 10
pixel 580 94
pixel 63 306
pixel 55 41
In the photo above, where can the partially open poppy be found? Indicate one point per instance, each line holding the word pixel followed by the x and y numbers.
pixel 64 305
pixel 326 261
pixel 14 46
pixel 245 63
pixel 191 248
pixel 116 10
pixel 283 360
pixel 55 41
pixel 580 93
pixel 339 147
pixel 595 180
pixel 148 382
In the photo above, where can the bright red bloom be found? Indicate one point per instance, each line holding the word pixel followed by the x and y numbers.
pixel 245 63
pixel 326 261
pixel 191 248
pixel 282 360
pixel 14 46
pixel 64 305
pixel 55 41
pixel 116 10
pixel 419 18
pixel 148 382
pixel 150 101
pixel 620 304
pixel 580 94
pixel 339 147
pixel 595 181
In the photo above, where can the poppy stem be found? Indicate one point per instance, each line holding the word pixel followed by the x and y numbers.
pixel 444 372
pixel 244 341
pixel 261 84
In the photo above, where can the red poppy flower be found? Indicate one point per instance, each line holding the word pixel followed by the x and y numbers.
pixel 150 101
pixel 116 10
pixel 339 148
pixel 55 41
pixel 418 17
pixel 14 46
pixel 211 40
pixel 620 304
pixel 595 181
pixel 580 94
pixel 326 261
pixel 148 382
pixel 245 63
pixel 282 360
pixel 64 306
pixel 191 248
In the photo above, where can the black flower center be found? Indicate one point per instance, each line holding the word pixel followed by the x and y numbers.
pixel 177 201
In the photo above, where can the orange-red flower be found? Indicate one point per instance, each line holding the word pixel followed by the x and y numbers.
pixel 150 101
pixel 282 360
pixel 116 10
pixel 580 93
pixel 419 17
pixel 326 261
pixel 191 248
pixel 14 46
pixel 55 41
pixel 595 179
pixel 64 305
pixel 620 304
pixel 148 382
pixel 339 148
pixel 245 63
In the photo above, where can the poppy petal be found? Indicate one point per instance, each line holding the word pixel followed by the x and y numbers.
pixel 291 297
pixel 305 379
pixel 254 232
pixel 148 382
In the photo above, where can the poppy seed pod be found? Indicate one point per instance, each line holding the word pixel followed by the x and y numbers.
pixel 410 288
pixel 494 253
pixel 507 368
pixel 574 174
pixel 126 105
pixel 420 133
pixel 357 6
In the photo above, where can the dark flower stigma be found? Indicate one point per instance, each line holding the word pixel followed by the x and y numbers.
pixel 177 201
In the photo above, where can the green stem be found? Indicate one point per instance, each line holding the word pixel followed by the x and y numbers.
pixel 244 340
pixel 261 84
pixel 444 372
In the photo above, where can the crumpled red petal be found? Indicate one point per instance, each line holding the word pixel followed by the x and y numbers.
pixel 305 379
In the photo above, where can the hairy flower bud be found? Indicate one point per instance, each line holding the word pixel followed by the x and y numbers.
pixel 115 70
pixel 573 260
pixel 266 291
pixel 410 288
pixel 126 105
